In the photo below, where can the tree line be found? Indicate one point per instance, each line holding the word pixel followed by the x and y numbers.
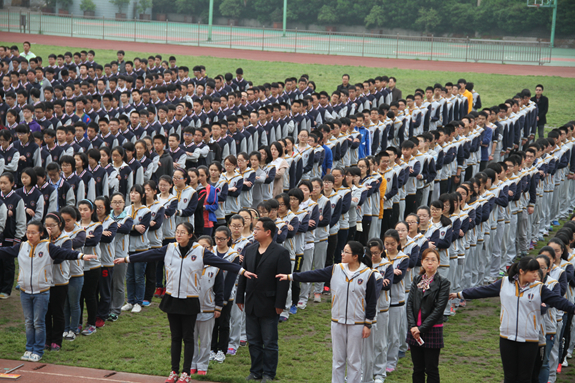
pixel 457 17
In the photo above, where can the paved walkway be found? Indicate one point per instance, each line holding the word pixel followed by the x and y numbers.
pixel 300 58
pixel 48 373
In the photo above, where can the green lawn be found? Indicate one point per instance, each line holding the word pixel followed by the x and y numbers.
pixel 493 88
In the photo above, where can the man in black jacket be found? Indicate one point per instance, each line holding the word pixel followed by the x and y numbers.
pixel 264 298
pixel 543 106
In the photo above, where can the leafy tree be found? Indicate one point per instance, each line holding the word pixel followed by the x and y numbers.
pixel 143 5
pixel 120 4
pixel 428 19
pixel 375 17
pixel 327 15
pixel 87 6
pixel 232 8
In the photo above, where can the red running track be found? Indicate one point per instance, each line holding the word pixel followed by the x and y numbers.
pixel 43 373
pixel 299 58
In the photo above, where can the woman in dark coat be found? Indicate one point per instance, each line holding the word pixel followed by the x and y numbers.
pixel 428 297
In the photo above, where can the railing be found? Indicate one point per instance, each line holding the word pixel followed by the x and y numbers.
pixel 265 39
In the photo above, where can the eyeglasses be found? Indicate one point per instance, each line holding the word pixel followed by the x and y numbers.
pixel 411 223
pixel 221 239
pixel 32 233
pixel 117 202
pixel 237 226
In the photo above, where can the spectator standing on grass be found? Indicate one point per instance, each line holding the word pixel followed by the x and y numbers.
pixel 263 298
pixel 395 93
pixel 427 300
pixel 344 83
pixel 542 109
pixel 27 54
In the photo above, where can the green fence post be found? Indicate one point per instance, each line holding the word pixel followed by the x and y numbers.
pixel 397 46
pixel 231 26
pixel 263 36
pixel 329 43
pixel 431 58
pixel 295 43
pixel 103 28
pixel 71 26
pixel 363 45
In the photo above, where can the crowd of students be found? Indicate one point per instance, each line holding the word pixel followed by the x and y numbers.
pixel 112 159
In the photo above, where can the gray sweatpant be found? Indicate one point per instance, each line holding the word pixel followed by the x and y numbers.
pixel 118 282
pixel 307 264
pixel 380 333
pixel 202 344
pixel 319 256
pixel 347 345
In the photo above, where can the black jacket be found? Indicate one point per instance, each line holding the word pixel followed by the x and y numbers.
pixel 265 293
pixel 432 303
pixel 543 108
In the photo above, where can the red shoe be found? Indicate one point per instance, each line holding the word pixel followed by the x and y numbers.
pixel 202 372
pixel 158 292
pixel 559 368
pixel 100 323
pixel 193 371
pixel 163 292
pixel 184 378
pixel 172 378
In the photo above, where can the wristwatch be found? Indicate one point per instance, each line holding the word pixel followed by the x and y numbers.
pixel 368 326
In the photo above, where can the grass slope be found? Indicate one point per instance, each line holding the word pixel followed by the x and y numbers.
pixel 493 88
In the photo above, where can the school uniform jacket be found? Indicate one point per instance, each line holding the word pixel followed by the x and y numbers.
pixel 36 263
pixel 140 216
pixel 353 293
pixel 184 271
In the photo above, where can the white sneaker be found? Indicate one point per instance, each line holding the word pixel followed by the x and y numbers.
pixel 317 298
pixel 565 363
pixel 35 358
pixel 212 355
pixel 71 336
pixel 220 357
pixel 137 308
pixel 127 307
pixel 26 356
pixel 65 334
pixel 569 355
pixel 378 380
pixel 302 305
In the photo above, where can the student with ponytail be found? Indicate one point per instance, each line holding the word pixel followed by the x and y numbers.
pixel 354 290
pixel 521 296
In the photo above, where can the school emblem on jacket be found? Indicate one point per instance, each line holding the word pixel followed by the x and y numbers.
pixel 98 179
pixel 28 154
pixel 194 257
pixel 359 281
pixel 32 203
pixel 211 274
pixel 185 200
pixel 41 254
pixel 442 233
pixel 530 296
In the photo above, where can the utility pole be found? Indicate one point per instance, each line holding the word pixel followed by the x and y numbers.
pixel 210 19
pixel 285 17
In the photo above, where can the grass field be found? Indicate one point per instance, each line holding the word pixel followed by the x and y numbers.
pixel 493 88
pixel 140 342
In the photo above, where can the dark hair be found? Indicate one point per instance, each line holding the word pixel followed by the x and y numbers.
pixel 57 217
pixel 207 238
pixel 358 249
pixel 227 231
pixel 188 226
pixel 544 257
pixel 237 216
pixel 375 242
pixel 392 233
pixel 140 190
pixel 547 249
pixel 92 207
pixel 106 201
pixel 40 227
pixel 32 174
pixel 564 249
pixel 526 264
pixel 8 175
pixel 268 224
pixel 424 255
pixel 443 219
pixel 71 211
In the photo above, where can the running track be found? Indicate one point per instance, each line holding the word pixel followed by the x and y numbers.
pixel 42 373
pixel 299 58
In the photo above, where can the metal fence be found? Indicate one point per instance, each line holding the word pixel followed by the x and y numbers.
pixel 265 39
